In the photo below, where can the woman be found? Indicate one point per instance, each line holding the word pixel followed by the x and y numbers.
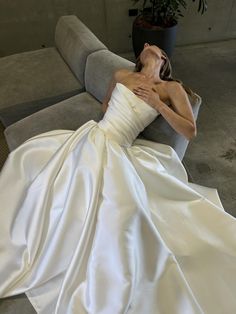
pixel 98 221
pixel 153 83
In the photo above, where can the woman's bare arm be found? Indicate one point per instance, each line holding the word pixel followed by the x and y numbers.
pixel 181 117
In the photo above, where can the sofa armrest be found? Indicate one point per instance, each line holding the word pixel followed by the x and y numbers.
pixel 75 42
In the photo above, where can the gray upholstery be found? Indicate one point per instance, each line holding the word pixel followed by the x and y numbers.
pixel 37 79
pixel 32 80
pixel 12 114
pixel 75 111
pixel 75 42
pixel 68 115
pixel 99 70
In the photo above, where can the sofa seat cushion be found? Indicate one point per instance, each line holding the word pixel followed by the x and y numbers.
pixel 33 80
pixel 69 114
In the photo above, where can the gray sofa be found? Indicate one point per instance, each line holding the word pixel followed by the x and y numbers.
pixel 33 80
pixel 89 66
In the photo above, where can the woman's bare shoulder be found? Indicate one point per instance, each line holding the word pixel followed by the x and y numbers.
pixel 121 73
pixel 173 86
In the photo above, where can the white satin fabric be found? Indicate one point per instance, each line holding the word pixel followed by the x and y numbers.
pixel 97 221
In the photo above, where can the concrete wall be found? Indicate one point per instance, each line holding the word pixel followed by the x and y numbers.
pixel 30 24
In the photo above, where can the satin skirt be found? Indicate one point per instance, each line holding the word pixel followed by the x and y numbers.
pixel 90 226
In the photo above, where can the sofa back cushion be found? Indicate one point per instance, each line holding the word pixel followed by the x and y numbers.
pixel 75 42
pixel 100 67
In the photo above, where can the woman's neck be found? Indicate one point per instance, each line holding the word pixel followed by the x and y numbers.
pixel 151 71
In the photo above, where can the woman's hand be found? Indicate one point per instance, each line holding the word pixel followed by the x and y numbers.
pixel 145 92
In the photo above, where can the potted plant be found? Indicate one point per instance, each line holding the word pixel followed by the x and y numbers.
pixel 157 23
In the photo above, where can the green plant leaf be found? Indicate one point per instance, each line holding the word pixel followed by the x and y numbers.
pixel 166 12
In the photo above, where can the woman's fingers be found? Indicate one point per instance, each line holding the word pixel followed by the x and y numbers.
pixel 144 86
pixel 142 94
pixel 141 90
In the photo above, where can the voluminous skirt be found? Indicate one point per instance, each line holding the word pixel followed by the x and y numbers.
pixel 90 226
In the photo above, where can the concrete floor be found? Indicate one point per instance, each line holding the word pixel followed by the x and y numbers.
pixel 209 69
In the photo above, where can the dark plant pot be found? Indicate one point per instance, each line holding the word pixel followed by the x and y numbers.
pixel 155 35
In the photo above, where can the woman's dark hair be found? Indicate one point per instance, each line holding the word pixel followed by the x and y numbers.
pixel 165 72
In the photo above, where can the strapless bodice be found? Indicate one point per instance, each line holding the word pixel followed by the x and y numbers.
pixel 127 115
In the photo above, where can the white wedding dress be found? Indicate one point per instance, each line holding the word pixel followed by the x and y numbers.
pixel 99 221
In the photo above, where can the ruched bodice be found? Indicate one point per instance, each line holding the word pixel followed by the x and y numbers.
pixel 126 116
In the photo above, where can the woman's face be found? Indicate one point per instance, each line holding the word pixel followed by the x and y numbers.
pixel 151 51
